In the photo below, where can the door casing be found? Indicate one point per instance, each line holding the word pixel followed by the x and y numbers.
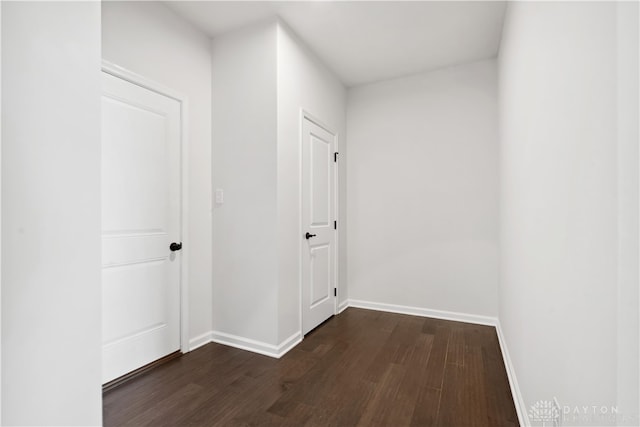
pixel 130 76
pixel 336 209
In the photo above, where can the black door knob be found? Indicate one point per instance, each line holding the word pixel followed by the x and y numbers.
pixel 309 235
pixel 175 246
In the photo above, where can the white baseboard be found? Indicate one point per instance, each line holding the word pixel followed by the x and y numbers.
pixel 289 343
pixel 425 312
pixel 199 341
pixel 275 351
pixel 343 306
pixel 518 401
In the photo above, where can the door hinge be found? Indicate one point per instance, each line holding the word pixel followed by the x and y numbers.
pixel 335 225
pixel 335 292
pixel 335 157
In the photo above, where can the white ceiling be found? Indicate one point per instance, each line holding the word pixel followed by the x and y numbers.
pixel 367 41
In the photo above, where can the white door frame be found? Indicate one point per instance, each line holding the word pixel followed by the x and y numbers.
pixel 131 77
pixel 306 115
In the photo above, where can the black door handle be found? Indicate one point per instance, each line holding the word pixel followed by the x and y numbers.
pixel 309 235
pixel 175 246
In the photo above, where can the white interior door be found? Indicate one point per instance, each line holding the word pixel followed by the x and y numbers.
pixel 140 219
pixel 318 234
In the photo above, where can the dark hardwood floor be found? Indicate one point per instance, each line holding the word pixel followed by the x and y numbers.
pixel 361 367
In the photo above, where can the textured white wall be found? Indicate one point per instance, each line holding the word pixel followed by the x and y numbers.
pixel 51 87
pixel 303 83
pixel 149 39
pixel 245 290
pixel 564 201
pixel 423 190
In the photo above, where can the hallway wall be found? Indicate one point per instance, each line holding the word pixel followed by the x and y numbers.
pixel 245 287
pixel 304 82
pixel 51 88
pixel 151 40
pixel 263 76
pixel 423 190
pixel 569 200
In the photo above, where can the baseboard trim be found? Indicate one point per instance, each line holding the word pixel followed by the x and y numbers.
pixel 289 343
pixel 343 306
pixel 244 343
pixel 518 401
pixel 200 340
pixel 266 349
pixel 425 312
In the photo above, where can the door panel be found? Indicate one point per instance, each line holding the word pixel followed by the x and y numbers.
pixel 320 275
pixel 135 161
pixel 140 218
pixel 126 285
pixel 318 251
pixel 320 180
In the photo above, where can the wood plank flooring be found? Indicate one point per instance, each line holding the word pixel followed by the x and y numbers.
pixel 360 368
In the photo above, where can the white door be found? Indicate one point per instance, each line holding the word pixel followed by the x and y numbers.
pixel 140 219
pixel 318 234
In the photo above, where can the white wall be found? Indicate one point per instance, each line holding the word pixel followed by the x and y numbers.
pixel 51 85
pixel 149 39
pixel 563 199
pixel 245 291
pixel 303 83
pixel 262 77
pixel 628 36
pixel 0 213
pixel 423 187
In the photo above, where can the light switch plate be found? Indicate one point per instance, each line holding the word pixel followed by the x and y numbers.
pixel 219 196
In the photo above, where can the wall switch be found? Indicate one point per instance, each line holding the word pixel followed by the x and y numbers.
pixel 219 196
